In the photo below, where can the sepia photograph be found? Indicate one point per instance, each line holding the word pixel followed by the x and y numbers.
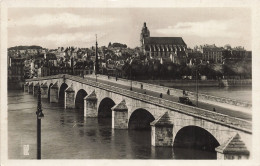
pixel 107 82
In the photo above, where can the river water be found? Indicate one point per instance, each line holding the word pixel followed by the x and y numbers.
pixel 241 93
pixel 67 134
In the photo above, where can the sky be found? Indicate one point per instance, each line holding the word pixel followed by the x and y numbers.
pixel 57 27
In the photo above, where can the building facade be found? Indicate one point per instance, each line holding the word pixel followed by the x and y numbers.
pixel 211 53
pixel 15 73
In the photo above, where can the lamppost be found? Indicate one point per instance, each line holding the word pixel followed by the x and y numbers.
pixel 131 88
pixel 96 63
pixel 40 115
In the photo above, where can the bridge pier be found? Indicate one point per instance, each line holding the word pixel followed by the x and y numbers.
pixel 90 105
pixel 25 87
pixel 35 89
pixel 120 116
pixel 69 98
pixel 162 131
pixel 30 88
pixel 54 93
pixel 44 91
pixel 234 148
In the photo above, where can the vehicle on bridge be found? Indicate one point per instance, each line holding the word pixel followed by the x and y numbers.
pixel 185 100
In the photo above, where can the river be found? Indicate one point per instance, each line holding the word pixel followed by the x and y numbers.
pixel 243 93
pixel 67 134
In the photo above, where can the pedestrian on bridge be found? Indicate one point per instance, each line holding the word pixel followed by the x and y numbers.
pixel 168 92
pixel 161 95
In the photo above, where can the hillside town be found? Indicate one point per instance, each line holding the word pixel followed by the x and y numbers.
pixel 163 58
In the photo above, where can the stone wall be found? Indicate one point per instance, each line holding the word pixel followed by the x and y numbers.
pixel 236 82
pixel 119 119
pixel 179 83
pixel 162 136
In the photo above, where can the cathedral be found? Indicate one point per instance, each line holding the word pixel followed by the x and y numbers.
pixel 163 48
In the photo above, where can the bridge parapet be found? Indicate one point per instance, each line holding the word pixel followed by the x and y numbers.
pixel 179 92
pixel 225 120
pixel 45 78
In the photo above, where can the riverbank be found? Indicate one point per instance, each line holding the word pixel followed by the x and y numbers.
pixel 235 82
pixel 172 83
pixel 202 83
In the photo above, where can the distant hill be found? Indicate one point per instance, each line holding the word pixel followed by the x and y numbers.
pixel 24 47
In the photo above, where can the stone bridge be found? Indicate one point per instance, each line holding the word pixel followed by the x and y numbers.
pixel 171 123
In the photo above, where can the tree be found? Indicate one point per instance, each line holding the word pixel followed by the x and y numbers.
pixel 119 45
pixel 150 70
pixel 227 71
pixel 126 70
pixel 185 70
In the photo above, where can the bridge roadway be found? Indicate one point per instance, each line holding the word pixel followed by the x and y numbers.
pixel 219 109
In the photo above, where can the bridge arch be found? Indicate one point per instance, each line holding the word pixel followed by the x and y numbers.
pixel 49 91
pixel 62 89
pixel 195 137
pixel 79 100
pixel 104 108
pixel 140 119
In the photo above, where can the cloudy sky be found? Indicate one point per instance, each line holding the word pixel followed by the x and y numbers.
pixel 55 27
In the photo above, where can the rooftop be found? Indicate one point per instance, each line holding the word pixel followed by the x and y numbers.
pixel 164 40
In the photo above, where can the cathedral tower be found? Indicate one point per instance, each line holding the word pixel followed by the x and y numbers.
pixel 145 33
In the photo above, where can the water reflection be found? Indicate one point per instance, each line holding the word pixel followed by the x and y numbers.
pixel 182 153
pixel 104 128
pixel 162 152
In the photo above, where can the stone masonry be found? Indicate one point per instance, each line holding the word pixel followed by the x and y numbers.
pixel 54 93
pixel 30 88
pixel 120 116
pixel 234 148
pixel 35 89
pixel 162 131
pixel 90 105
pixel 26 87
pixel 69 98
pixel 44 91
